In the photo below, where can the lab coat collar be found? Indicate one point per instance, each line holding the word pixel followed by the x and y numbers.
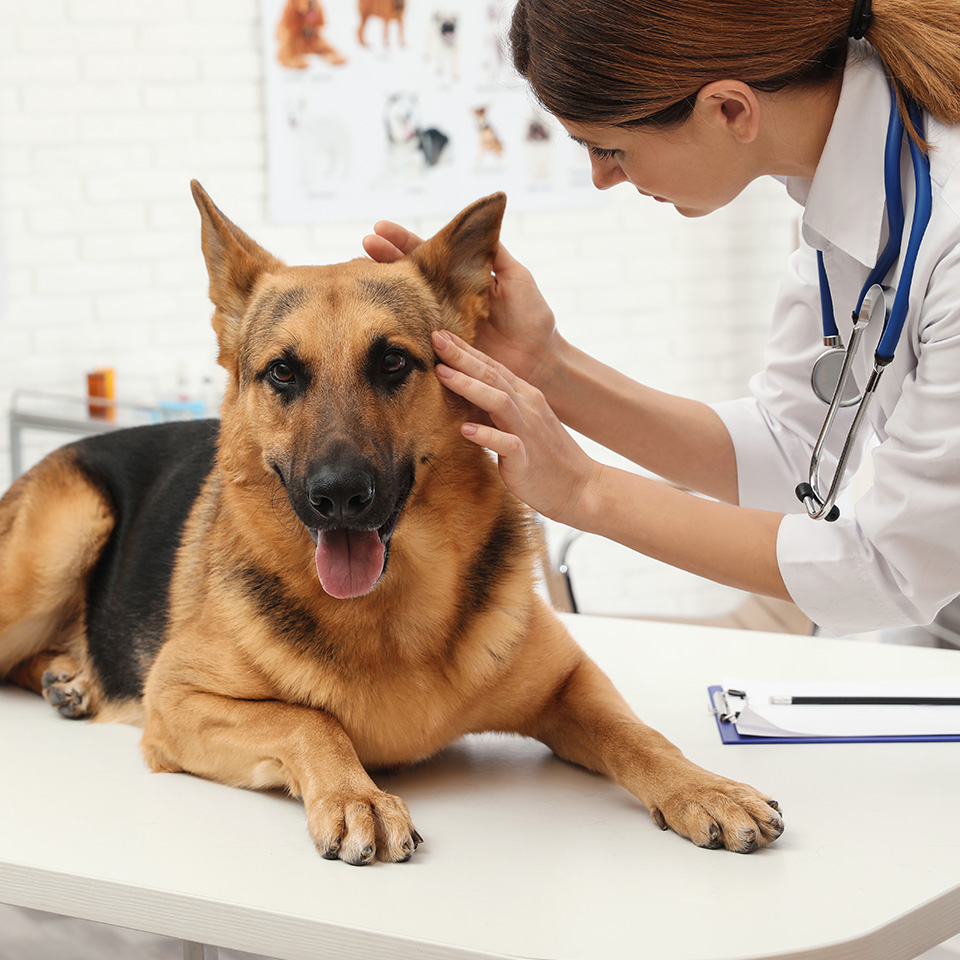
pixel 844 202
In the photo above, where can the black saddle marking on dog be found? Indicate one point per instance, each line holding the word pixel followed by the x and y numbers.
pixel 490 567
pixel 151 477
pixel 288 619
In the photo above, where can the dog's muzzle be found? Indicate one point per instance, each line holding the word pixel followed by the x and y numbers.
pixel 352 522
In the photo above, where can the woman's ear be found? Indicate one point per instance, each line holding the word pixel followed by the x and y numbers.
pixel 731 105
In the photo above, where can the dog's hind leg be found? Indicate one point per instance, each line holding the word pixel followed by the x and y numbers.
pixel 53 525
pixel 60 678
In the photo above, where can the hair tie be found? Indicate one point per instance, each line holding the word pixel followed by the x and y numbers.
pixel 860 21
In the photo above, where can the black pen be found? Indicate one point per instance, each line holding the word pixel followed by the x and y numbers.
pixel 874 701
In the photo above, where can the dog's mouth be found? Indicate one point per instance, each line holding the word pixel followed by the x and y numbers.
pixel 351 561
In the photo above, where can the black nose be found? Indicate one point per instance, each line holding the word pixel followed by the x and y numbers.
pixel 340 493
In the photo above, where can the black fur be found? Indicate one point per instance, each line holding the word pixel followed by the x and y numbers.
pixel 151 476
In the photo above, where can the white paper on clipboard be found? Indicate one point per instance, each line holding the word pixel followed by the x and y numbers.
pixel 760 718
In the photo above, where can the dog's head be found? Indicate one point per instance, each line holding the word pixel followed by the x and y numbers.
pixel 332 399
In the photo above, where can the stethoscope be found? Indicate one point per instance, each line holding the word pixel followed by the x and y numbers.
pixel 830 378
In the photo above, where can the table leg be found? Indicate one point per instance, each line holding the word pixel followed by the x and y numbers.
pixel 200 951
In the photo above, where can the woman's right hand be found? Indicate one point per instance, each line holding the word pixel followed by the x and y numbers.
pixel 520 333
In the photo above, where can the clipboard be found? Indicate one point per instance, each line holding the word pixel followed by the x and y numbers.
pixel 729 734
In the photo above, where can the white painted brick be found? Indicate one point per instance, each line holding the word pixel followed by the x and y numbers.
pixel 10 100
pixel 66 37
pixel 138 66
pixel 114 11
pixel 127 127
pixel 26 250
pixel 229 34
pixel 46 128
pixel 243 99
pixel 94 97
pixel 18 282
pixel 14 162
pixel 151 305
pixel 91 278
pixel 33 312
pixel 138 246
pixel 232 66
pixel 21 68
pixel 89 218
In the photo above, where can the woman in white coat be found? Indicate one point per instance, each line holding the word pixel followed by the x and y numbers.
pixel 689 102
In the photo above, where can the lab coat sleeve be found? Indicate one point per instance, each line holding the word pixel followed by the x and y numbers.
pixel 895 562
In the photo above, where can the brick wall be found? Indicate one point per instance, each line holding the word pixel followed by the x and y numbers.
pixel 109 107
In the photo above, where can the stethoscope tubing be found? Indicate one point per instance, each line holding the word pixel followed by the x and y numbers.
pixel 824 507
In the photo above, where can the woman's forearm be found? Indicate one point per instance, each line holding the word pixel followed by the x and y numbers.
pixel 732 545
pixel 681 440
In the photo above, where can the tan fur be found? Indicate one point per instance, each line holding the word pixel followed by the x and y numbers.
pixel 444 645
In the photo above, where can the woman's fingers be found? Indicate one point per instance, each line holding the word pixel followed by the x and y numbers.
pixel 467 359
pixel 493 399
pixel 389 242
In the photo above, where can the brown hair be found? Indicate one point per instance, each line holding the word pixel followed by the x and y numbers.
pixel 642 62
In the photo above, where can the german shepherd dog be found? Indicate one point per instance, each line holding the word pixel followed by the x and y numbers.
pixel 330 579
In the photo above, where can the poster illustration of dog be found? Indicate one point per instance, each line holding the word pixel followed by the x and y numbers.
pixel 400 108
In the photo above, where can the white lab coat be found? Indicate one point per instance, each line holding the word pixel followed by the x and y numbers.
pixel 896 559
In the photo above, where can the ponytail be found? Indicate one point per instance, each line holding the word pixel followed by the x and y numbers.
pixel 919 44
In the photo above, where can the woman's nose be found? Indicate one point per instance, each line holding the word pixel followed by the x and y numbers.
pixel 606 173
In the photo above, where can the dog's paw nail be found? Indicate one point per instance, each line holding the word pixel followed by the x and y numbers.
pixel 658 818
pixel 50 678
pixel 332 851
pixel 774 804
pixel 714 838
pixel 748 842
pixel 417 839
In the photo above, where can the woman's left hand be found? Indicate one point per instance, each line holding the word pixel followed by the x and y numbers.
pixel 540 462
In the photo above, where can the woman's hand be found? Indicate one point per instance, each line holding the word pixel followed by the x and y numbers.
pixel 539 461
pixel 521 332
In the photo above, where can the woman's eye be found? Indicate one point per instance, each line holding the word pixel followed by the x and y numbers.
pixel 280 372
pixel 393 363
pixel 600 153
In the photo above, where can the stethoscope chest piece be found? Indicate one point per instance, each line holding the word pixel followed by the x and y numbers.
pixel 826 375
pixel 835 365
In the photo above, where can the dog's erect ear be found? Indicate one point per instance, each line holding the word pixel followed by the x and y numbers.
pixel 458 260
pixel 234 263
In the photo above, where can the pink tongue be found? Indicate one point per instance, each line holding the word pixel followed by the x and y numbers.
pixel 349 562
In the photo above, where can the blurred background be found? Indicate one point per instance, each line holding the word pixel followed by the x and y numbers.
pixel 109 107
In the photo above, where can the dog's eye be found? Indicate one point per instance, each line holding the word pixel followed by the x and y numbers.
pixel 281 373
pixel 393 363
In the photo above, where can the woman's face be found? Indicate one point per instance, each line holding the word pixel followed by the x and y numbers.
pixel 697 166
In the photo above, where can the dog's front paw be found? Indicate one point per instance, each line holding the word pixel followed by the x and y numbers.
pixel 715 812
pixel 362 828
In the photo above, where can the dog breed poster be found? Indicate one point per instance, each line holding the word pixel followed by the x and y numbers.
pixel 400 108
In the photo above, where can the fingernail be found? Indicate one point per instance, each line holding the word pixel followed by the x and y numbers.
pixel 444 371
pixel 468 429
pixel 441 339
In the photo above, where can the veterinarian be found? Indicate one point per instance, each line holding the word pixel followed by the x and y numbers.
pixel 690 102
